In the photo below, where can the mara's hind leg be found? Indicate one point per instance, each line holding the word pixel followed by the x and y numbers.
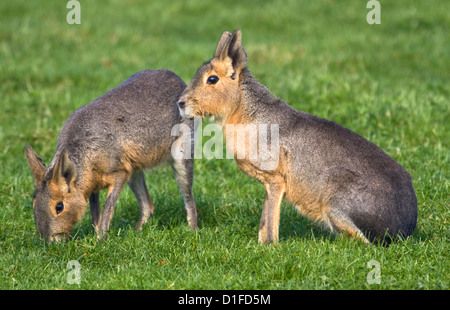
pixel 139 189
pixel 94 205
pixel 341 224
pixel 183 166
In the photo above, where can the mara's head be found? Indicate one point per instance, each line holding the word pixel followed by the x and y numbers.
pixel 214 90
pixel 57 203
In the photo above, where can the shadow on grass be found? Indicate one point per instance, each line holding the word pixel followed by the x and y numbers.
pixel 242 217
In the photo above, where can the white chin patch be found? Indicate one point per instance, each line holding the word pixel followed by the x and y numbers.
pixel 187 112
pixel 182 113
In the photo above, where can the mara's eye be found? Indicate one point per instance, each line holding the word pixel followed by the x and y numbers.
pixel 213 79
pixel 59 208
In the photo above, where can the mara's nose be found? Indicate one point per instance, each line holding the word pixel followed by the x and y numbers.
pixel 181 104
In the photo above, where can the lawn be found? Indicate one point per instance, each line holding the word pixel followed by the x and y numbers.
pixel 388 82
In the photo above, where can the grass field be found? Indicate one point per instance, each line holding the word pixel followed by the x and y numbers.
pixel 388 82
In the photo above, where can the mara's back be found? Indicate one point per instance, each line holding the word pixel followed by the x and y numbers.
pixel 134 118
pixel 329 173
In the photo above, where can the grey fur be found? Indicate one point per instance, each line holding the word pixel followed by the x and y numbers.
pixel 111 141
pixel 359 180
pixel 328 172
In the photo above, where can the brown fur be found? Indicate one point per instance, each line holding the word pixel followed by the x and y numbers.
pixel 106 144
pixel 329 173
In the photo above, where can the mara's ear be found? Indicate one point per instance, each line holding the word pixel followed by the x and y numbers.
pixel 223 40
pixel 37 166
pixel 235 51
pixel 64 173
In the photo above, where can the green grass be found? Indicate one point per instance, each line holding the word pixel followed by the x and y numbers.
pixel 387 82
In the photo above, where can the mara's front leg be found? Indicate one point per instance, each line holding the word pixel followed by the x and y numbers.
pixel 118 181
pixel 270 219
